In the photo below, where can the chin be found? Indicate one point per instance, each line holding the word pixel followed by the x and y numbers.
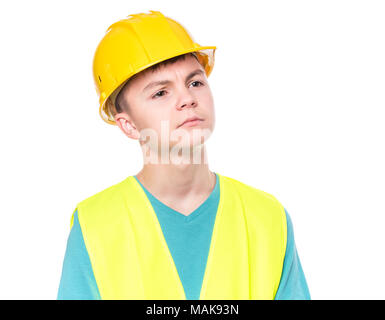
pixel 191 137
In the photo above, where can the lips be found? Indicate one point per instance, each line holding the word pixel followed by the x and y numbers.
pixel 189 119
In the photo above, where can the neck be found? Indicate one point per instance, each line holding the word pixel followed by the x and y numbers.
pixel 175 180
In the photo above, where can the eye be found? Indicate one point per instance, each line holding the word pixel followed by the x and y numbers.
pixel 200 83
pixel 157 94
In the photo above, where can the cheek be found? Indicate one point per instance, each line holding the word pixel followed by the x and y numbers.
pixel 206 98
pixel 207 103
pixel 157 121
pixel 148 116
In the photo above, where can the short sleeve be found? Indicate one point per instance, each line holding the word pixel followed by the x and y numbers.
pixel 293 284
pixel 77 279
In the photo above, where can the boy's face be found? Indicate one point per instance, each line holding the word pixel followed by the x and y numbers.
pixel 161 108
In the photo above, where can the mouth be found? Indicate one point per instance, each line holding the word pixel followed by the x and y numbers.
pixel 190 122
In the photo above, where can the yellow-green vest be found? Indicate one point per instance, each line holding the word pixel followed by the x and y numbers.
pixel 131 260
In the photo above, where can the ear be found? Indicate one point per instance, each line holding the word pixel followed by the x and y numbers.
pixel 125 123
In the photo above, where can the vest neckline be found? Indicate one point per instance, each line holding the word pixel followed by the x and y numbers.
pixel 214 236
pixel 178 215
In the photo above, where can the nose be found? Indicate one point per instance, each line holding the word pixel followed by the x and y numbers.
pixel 186 99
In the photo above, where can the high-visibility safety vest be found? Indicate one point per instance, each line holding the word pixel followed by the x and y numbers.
pixel 131 260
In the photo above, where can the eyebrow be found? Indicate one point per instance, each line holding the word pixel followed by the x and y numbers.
pixel 163 82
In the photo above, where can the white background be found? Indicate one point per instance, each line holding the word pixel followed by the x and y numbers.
pixel 299 95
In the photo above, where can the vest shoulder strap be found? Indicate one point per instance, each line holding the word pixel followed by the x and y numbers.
pixel 256 223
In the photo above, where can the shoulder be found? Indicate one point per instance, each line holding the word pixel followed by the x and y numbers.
pixel 106 195
pixel 263 213
pixel 260 208
pixel 103 204
pixel 253 194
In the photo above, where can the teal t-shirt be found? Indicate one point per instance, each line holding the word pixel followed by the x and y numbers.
pixel 188 239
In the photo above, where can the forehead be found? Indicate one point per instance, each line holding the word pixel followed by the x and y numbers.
pixel 145 77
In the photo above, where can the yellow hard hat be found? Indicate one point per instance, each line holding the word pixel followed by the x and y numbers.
pixel 135 43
